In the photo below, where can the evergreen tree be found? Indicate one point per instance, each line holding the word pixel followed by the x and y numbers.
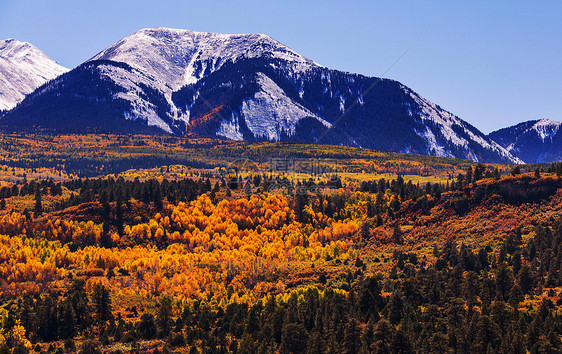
pixel 352 340
pixel 119 213
pixel 38 210
pixel 164 316
pixel 469 175
pixel 382 337
pixel 102 303
pixel 401 343
pixel 147 326
pixel 395 308
pixel 158 202
pixel 68 323
pixel 294 337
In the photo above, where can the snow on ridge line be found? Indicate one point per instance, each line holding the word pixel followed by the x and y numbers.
pixel 546 128
pixel 23 68
pixel 223 36
pixel 174 56
pixel 178 57
pixel 429 111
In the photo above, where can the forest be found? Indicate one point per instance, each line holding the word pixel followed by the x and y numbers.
pixel 167 257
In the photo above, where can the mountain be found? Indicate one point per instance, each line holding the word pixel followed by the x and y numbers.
pixel 244 87
pixel 181 57
pixel 534 141
pixel 23 68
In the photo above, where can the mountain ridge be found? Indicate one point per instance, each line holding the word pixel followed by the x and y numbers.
pixel 23 68
pixel 247 87
pixel 534 141
pixel 186 49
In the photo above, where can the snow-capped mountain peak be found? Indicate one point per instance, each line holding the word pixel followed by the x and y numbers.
pixel 546 128
pixel 13 49
pixel 23 68
pixel 179 57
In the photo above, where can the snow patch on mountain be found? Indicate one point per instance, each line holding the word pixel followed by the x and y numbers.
pixel 433 147
pixel 270 111
pixel 23 68
pixel 131 91
pixel 174 58
pixel 342 104
pixel 429 112
pixel 230 129
pixel 534 141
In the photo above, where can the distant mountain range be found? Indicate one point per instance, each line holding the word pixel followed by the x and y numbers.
pixel 243 87
pixel 23 68
pixel 534 141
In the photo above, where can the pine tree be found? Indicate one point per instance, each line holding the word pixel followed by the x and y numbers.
pixel 401 343
pixel 164 317
pixel 105 239
pixel 315 343
pixel 366 229
pixel 68 323
pixel 38 210
pixel 147 327
pixel 382 337
pixel 102 303
pixel 119 213
pixel 395 308
pixel 158 203
pixel 294 337
pixel 352 340
pixel 526 279
pixel 469 175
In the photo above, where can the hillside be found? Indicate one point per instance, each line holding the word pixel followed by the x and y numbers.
pixel 99 155
pixel 179 258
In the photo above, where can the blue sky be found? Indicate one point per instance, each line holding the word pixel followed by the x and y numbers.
pixel 492 63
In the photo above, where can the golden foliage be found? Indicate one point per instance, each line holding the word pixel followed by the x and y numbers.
pixel 232 251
